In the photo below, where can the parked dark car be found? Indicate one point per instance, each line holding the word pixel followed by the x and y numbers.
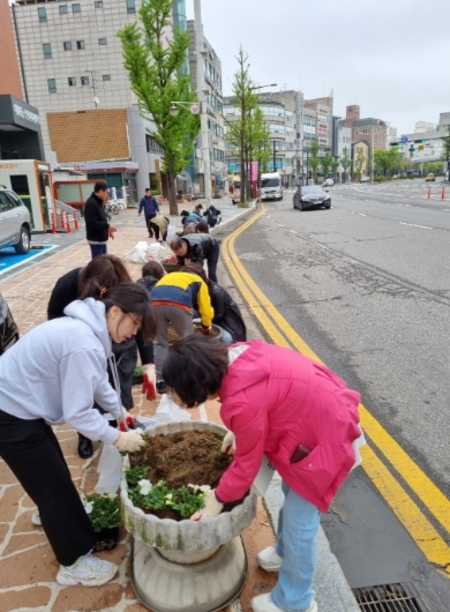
pixel 9 332
pixel 311 196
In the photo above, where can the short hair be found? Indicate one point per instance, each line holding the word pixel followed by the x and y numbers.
pixel 189 228
pixel 202 228
pixel 107 270
pixel 184 213
pixel 176 243
pixel 100 186
pixel 153 268
pixel 195 367
pixel 148 189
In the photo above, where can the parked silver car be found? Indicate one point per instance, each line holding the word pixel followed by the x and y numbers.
pixel 15 222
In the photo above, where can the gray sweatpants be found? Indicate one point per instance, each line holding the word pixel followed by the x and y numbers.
pixel 180 320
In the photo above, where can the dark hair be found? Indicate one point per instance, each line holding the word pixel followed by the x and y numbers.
pixel 184 213
pixel 176 243
pixel 195 367
pixel 202 228
pixel 197 269
pixel 153 268
pixel 100 186
pixel 107 270
pixel 131 298
pixel 189 228
pixel 198 206
pixel 148 189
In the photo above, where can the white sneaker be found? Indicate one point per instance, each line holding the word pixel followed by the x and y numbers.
pixel 269 559
pixel 264 603
pixel 88 571
pixel 36 518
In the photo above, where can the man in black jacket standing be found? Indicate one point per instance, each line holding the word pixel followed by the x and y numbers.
pixel 196 248
pixel 98 229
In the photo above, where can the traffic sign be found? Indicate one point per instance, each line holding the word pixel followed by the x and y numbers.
pixel 404 139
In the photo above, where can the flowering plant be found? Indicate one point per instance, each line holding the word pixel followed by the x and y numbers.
pixel 103 510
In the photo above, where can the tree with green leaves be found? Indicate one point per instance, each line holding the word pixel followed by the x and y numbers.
pixel 326 163
pixel 387 161
pixel 345 162
pixel 155 66
pixel 334 167
pixel 314 157
pixel 259 138
pixel 446 142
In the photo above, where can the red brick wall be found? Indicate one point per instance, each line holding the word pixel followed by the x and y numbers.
pixel 9 67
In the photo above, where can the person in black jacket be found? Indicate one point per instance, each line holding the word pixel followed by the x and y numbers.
pixel 98 229
pixel 108 271
pixel 196 248
pixel 212 216
pixel 227 315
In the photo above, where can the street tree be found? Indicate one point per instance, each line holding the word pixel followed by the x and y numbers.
pixel 446 152
pixel 345 162
pixel 259 139
pixel 326 162
pixel 155 66
pixel 335 166
pixel 314 157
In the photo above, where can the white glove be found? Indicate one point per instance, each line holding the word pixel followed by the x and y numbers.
pixel 228 443
pixel 213 507
pixel 149 369
pixel 129 442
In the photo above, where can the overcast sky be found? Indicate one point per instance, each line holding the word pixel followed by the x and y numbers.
pixel 392 57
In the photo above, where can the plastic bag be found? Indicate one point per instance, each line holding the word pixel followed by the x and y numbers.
pixel 171 233
pixel 168 411
pixel 138 254
pixel 158 252
pixel 109 469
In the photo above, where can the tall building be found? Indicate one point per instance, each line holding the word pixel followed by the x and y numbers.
pixel 323 107
pixel 214 108
pixel 424 126
pixel 10 82
pixel 72 70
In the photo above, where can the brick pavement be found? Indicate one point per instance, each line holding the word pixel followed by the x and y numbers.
pixel 27 564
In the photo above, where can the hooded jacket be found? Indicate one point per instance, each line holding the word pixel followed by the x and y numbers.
pixel 273 400
pixel 57 370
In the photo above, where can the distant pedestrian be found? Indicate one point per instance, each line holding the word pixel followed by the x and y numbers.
pixel 160 225
pixel 212 216
pixel 189 217
pixel 196 248
pixel 98 228
pixel 149 205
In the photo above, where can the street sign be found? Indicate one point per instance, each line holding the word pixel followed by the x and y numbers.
pixel 404 139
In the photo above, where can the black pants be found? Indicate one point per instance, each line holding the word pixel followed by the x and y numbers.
pixel 148 218
pixel 155 228
pixel 213 259
pixel 31 450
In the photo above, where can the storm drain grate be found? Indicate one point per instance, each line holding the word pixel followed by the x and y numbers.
pixel 397 597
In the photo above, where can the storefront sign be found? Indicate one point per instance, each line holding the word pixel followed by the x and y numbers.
pixel 26 114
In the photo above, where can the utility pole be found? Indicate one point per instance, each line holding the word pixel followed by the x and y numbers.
pixel 274 157
pixel 201 97
pixel 93 87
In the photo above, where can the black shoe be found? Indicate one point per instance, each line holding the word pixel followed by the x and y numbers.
pixel 161 387
pixel 85 449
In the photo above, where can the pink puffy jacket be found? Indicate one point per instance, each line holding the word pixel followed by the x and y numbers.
pixel 274 399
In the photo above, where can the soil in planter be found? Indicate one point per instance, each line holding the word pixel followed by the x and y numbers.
pixel 182 458
pixel 172 334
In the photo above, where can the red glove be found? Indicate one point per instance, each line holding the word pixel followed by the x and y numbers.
pixel 128 424
pixel 148 388
pixel 206 330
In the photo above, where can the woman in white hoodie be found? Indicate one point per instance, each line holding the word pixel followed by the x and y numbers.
pixel 52 376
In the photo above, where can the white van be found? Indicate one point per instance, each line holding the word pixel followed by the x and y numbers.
pixel 271 187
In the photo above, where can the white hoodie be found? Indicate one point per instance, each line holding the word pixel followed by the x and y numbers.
pixel 58 369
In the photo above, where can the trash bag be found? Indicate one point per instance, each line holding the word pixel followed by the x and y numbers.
pixel 168 411
pixel 171 233
pixel 109 469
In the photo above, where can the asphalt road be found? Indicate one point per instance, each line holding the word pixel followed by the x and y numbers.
pixel 367 286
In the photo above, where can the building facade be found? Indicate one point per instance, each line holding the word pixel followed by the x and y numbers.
pixel 214 109
pixel 323 107
pixel 10 82
pixel 72 64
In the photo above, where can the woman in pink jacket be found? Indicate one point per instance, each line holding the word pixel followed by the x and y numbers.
pixel 277 403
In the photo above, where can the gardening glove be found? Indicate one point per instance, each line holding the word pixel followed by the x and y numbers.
pixel 129 442
pixel 206 330
pixel 149 384
pixel 228 443
pixel 213 507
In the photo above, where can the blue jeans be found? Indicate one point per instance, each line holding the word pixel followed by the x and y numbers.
pixel 98 249
pixel 227 338
pixel 298 526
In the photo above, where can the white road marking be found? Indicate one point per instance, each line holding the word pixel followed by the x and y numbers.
pixel 415 225
pixel 362 215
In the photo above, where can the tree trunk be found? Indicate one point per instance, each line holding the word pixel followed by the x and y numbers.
pixel 171 194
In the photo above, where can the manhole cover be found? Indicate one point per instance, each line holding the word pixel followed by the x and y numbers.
pixel 397 597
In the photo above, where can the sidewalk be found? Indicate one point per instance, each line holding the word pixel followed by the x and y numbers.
pixel 27 564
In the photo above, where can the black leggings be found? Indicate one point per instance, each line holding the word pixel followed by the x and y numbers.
pixel 31 450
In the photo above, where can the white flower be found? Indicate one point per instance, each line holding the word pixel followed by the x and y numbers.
pixel 169 496
pixel 88 506
pixel 145 487
pixel 202 488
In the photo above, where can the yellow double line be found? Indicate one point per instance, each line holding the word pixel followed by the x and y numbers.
pixel 384 459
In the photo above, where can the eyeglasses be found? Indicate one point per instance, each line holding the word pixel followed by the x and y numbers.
pixel 137 324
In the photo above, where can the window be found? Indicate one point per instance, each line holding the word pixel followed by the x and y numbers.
pixel 51 85
pixel 106 77
pixel 42 14
pixel 63 9
pixel 72 81
pixel 85 80
pixel 80 44
pixel 131 6
pixel 47 48
pixel 98 3
pixel 76 8
pixel 67 45
pixel 102 41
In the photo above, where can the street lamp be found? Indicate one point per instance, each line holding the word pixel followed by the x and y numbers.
pixel 262 86
pixel 194 107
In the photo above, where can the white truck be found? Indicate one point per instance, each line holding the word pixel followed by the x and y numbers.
pixel 271 186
